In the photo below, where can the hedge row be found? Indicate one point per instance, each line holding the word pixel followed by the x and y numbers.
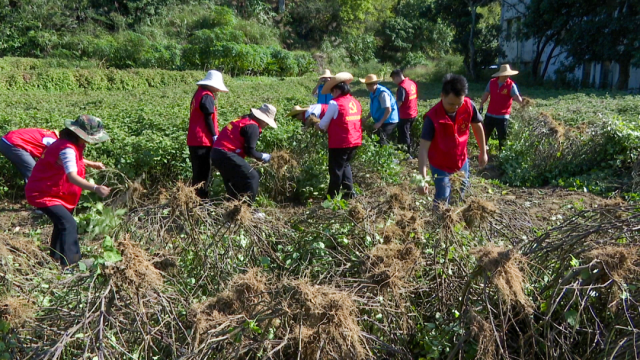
pixel 93 79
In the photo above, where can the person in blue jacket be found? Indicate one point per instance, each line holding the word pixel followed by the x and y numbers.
pixel 317 91
pixel 383 108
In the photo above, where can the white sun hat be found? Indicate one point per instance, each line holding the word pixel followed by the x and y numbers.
pixel 214 79
pixel 266 113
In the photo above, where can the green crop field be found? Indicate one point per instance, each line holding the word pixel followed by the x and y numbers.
pixel 530 255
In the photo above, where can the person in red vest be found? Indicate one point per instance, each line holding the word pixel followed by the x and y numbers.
pixel 445 132
pixel 313 112
pixel 57 181
pixel 203 129
pixel 343 124
pixel 407 100
pixel 502 91
pixel 22 146
pixel 236 141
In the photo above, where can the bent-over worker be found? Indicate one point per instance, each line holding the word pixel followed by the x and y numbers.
pixel 203 129
pixel 382 108
pixel 502 91
pixel 343 124
pixel 57 181
pixel 236 141
pixel 445 132
pixel 310 115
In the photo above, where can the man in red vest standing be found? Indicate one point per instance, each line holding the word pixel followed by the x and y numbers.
pixel 203 129
pixel 502 91
pixel 343 124
pixel 445 132
pixel 407 100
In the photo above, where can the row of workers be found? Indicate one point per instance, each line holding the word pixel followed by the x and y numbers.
pixel 55 182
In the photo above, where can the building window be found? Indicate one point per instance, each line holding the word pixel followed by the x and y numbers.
pixel 509 31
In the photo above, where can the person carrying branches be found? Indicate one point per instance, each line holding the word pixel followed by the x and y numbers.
pixel 502 91
pixel 382 108
pixel 445 132
pixel 407 99
pixel 317 91
pixel 343 124
pixel 236 141
pixel 203 129
pixel 58 179
pixel 310 115
pixel 22 146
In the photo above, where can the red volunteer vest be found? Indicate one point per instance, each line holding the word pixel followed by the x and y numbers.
pixel 199 134
pixel 323 110
pixel 48 184
pixel 501 100
pixel 30 140
pixel 448 150
pixel 409 108
pixel 230 139
pixel 346 130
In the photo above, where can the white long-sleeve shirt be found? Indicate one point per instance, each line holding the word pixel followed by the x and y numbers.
pixel 332 113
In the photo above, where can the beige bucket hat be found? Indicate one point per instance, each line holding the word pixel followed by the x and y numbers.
pixel 266 113
pixel 370 79
pixel 344 77
pixel 505 70
pixel 297 110
pixel 326 74
pixel 214 79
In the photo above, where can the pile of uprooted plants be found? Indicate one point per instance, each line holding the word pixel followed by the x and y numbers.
pixel 383 278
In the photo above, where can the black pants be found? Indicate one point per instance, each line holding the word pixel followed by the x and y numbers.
pixel 64 240
pixel 340 176
pixel 384 133
pixel 239 177
pixel 404 133
pixel 201 168
pixel 500 125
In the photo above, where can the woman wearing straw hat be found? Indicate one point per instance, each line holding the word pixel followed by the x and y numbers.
pixel 317 91
pixel 203 129
pixel 57 181
pixel 383 108
pixel 236 141
pixel 310 115
pixel 502 91
pixel 343 124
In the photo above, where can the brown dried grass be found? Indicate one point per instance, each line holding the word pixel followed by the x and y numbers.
pixel 391 233
pixel 237 211
pixel 527 102
pixel 181 198
pixel 555 128
pixel 311 121
pixel 618 261
pixel 477 212
pixel 483 334
pixel 504 267
pixel 399 198
pixel 357 212
pixel 136 271
pixel 16 311
pixel 390 265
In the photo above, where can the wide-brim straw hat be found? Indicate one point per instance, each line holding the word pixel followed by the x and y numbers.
pixel 266 113
pixel 214 79
pixel 505 70
pixel 297 110
pixel 344 77
pixel 88 128
pixel 370 79
pixel 326 74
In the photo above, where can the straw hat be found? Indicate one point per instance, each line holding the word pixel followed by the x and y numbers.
pixel 88 128
pixel 297 110
pixel 370 79
pixel 214 79
pixel 266 113
pixel 344 77
pixel 326 74
pixel 505 70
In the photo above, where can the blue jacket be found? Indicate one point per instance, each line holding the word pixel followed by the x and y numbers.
pixel 377 111
pixel 323 99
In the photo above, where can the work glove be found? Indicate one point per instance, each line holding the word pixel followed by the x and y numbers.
pixel 481 109
pixel 266 158
pixel 215 137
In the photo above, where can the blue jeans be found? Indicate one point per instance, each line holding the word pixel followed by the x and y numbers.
pixel 442 182
pixel 19 158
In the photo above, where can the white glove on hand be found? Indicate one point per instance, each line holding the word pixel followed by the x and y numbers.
pixel 266 158
pixel 215 138
pixel 481 110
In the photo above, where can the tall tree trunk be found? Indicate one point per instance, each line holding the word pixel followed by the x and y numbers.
pixel 472 47
pixel 535 64
pixel 623 73
pixel 281 6
pixel 546 65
